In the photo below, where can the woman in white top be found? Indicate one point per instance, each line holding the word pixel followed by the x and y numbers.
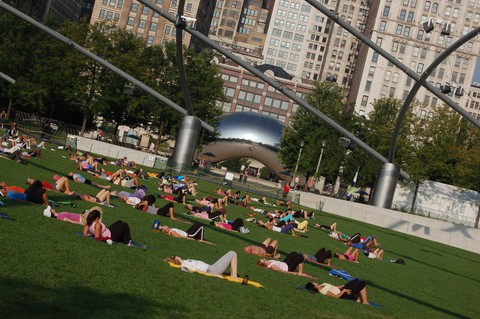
pixel 217 269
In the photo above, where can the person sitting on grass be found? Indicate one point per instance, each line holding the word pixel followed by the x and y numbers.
pixel 351 254
pixel 61 184
pixel 217 269
pixel 73 218
pixel 353 290
pixel 102 197
pixel 322 257
pixel 290 264
pixel 80 179
pixel 266 249
pixel 194 232
pixel 118 232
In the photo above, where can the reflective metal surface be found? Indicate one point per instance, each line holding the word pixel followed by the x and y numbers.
pixel 248 135
pixel 251 127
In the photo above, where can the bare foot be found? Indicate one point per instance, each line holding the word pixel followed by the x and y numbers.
pixel 277 256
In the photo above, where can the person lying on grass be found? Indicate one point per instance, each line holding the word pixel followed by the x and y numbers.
pixel 290 264
pixel 205 213
pixel 167 210
pixel 287 229
pixel 353 290
pixel 236 225
pixel 131 198
pixel 217 269
pixel 118 232
pixel 266 249
pixel 35 193
pixel 322 257
pixel 181 198
pixel 80 179
pixel 73 218
pixel 376 254
pixel 61 184
pixel 332 227
pixel 102 197
pixel 351 254
pixel 195 232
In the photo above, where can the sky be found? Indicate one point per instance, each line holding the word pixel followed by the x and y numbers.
pixel 476 75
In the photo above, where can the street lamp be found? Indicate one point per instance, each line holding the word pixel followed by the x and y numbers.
pixel 302 143
pixel 320 158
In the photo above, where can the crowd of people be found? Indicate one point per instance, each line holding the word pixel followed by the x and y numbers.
pixel 280 216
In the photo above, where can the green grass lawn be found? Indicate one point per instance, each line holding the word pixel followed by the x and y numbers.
pixel 47 271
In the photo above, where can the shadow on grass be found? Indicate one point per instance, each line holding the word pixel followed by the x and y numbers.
pixel 24 299
pixel 417 301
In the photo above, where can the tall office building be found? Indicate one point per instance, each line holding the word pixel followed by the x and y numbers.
pixel 242 26
pixel 40 9
pixel 416 32
pixel 472 104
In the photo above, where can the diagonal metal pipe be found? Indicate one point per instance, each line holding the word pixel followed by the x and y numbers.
pixel 7 78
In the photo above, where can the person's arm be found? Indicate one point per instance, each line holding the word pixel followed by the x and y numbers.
pixel 86 232
pixel 71 221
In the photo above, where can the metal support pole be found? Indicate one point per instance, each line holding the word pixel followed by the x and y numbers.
pixel 7 78
pixel 182 157
pixel 298 162
pixel 319 159
pixel 385 185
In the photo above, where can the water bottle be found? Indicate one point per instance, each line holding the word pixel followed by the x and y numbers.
pixel 156 224
pixel 245 280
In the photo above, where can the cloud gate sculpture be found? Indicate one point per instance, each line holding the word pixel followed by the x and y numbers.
pixel 248 135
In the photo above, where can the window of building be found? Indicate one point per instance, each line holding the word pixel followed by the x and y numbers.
pixel 101 14
pixel 427 5
pixel 375 57
pixel 131 20
pixel 141 23
pixel 364 100
pixel 406 31
pixel 420 35
pixel 435 8
pixel 371 71
pixel 403 14
pixel 410 16
pixel 168 29
pixel 386 11
pixel 134 7
pixel 399 29
pixel 368 86
pixel 383 25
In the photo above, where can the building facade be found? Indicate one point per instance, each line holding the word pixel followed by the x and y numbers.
pixel 143 22
pixel 472 104
pixel 416 32
pixel 247 93
pixel 41 9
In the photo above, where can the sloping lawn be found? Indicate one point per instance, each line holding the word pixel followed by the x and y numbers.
pixel 49 271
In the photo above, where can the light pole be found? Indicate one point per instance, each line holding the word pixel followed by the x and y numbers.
pixel 302 143
pixel 320 158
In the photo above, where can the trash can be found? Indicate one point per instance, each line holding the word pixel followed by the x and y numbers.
pixel 245 177
pixel 296 198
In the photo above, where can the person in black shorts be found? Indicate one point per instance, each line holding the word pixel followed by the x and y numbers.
pixel 355 289
pixel 322 256
pixel 167 210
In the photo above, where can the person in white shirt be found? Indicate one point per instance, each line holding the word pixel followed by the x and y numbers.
pixel 217 269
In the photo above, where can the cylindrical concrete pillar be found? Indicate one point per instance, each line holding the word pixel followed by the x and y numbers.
pixel 185 145
pixel 385 185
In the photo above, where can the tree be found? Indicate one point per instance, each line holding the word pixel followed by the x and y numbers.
pixel 328 98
